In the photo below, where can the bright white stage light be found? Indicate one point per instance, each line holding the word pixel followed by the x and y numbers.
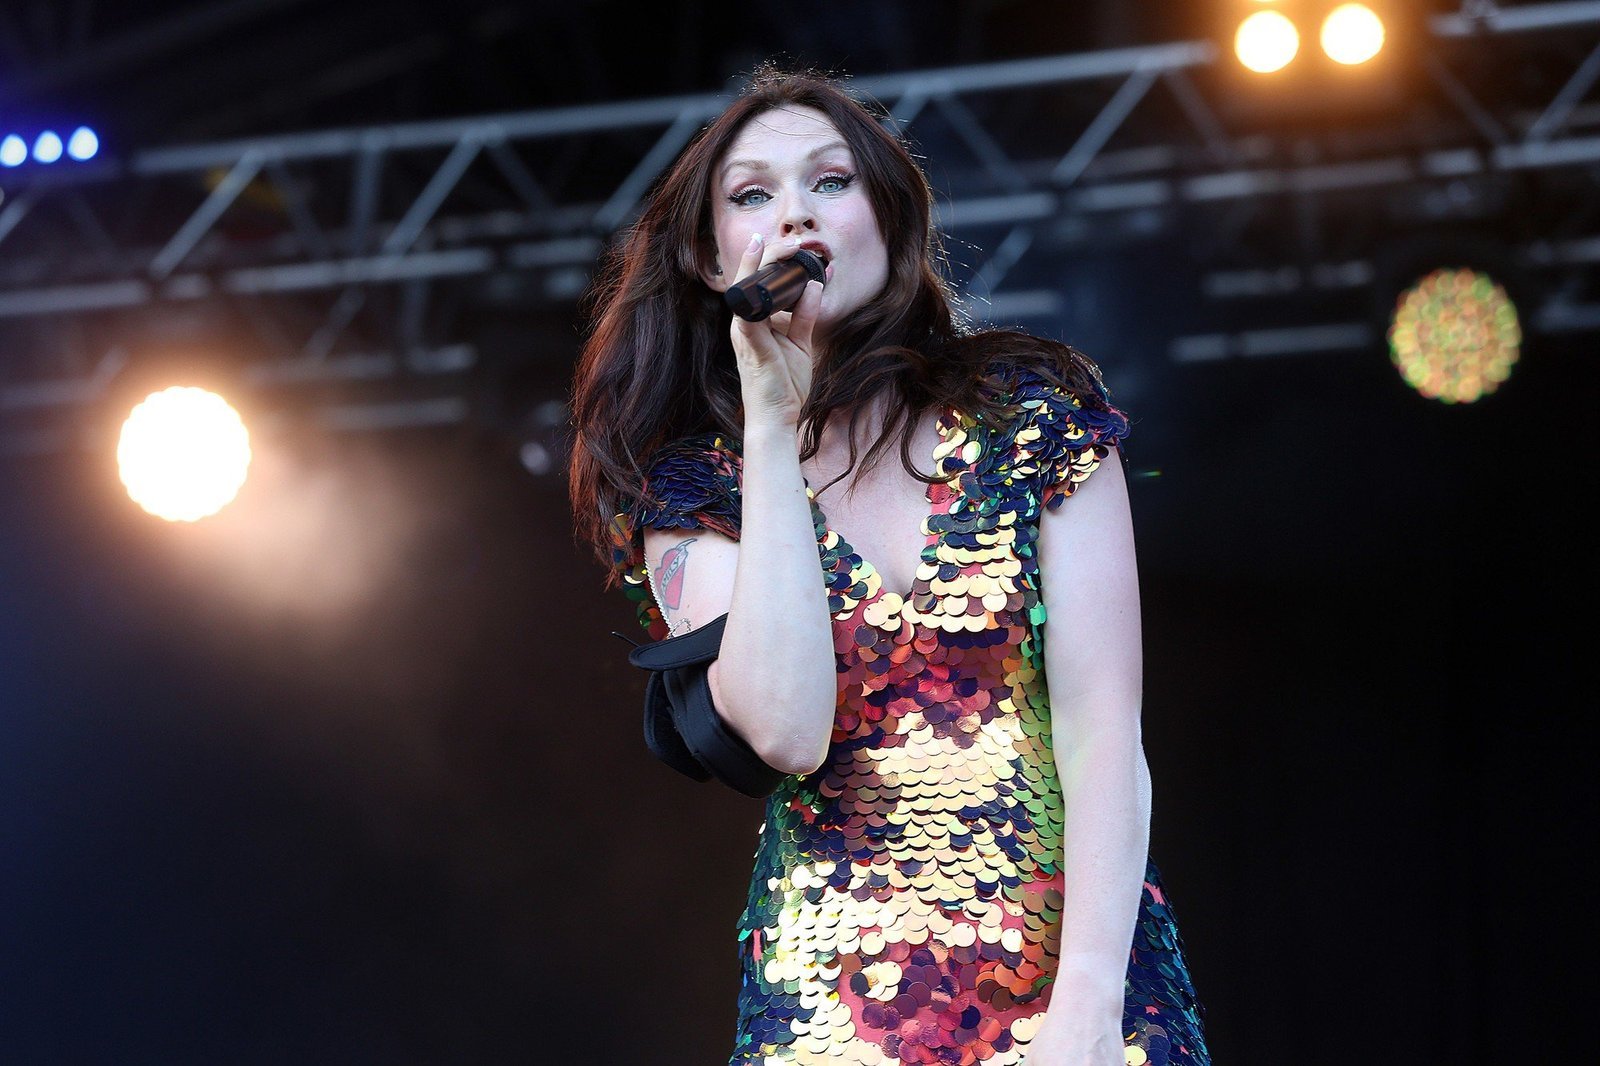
pixel 83 144
pixel 13 151
pixel 1266 42
pixel 47 148
pixel 183 454
pixel 1352 34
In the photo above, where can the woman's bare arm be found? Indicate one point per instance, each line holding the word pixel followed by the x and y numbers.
pixel 1094 672
pixel 774 681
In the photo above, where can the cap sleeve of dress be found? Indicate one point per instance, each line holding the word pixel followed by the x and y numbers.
pixel 691 484
pixel 1065 433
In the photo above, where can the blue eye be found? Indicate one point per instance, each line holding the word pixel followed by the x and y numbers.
pixel 743 197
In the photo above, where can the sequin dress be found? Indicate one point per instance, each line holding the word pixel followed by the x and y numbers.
pixel 905 905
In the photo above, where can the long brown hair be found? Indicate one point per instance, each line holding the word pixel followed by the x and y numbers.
pixel 658 365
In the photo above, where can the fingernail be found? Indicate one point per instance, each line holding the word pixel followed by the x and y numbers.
pixel 755 239
pixel 792 242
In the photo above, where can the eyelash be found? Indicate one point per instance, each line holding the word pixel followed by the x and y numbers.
pixel 841 177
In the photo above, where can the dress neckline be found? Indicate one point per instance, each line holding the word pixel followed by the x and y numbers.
pixel 928 536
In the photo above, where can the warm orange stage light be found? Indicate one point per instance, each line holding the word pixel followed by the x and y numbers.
pixel 1266 41
pixel 1352 34
pixel 183 454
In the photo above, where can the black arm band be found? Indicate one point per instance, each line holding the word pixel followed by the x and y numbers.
pixel 681 724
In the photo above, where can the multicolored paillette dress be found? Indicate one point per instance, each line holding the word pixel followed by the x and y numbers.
pixel 906 900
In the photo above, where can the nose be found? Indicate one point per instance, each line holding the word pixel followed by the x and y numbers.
pixel 796 216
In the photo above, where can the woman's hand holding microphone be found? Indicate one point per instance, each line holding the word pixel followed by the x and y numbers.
pixel 774 676
pixel 774 354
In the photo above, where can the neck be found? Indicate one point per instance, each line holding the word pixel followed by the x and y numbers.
pixel 868 428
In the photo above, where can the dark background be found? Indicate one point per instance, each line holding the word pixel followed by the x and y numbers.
pixel 353 771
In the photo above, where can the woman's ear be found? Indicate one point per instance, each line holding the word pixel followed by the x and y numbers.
pixel 711 272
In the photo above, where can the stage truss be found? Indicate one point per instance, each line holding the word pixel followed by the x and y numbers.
pixel 350 258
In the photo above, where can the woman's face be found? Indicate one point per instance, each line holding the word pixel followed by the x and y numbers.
pixel 788 173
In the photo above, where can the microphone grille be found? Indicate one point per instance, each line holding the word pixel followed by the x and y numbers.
pixel 812 263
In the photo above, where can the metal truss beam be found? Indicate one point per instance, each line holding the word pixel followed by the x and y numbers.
pixel 334 221
pixel 1490 19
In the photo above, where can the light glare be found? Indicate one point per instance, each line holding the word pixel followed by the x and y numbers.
pixel 1454 335
pixel 1352 34
pixel 183 454
pixel 1266 42
pixel 47 149
pixel 83 144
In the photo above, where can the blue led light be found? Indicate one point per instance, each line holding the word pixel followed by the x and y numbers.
pixel 13 151
pixel 83 144
pixel 47 149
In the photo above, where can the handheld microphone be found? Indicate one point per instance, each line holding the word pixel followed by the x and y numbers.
pixel 775 287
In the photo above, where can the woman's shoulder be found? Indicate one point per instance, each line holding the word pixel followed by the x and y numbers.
pixel 1045 366
pixel 1055 389
pixel 706 447
pixel 1060 423
pixel 705 459
pixel 693 480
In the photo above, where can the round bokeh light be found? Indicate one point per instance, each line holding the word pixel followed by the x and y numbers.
pixel 1352 34
pixel 1455 336
pixel 1266 41
pixel 183 454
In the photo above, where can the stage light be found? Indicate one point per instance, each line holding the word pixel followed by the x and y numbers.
pixel 536 458
pixel 13 151
pixel 83 144
pixel 1352 34
pixel 1266 41
pixel 183 454
pixel 47 148
pixel 1454 335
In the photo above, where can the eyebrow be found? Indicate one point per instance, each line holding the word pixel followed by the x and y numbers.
pixel 759 164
